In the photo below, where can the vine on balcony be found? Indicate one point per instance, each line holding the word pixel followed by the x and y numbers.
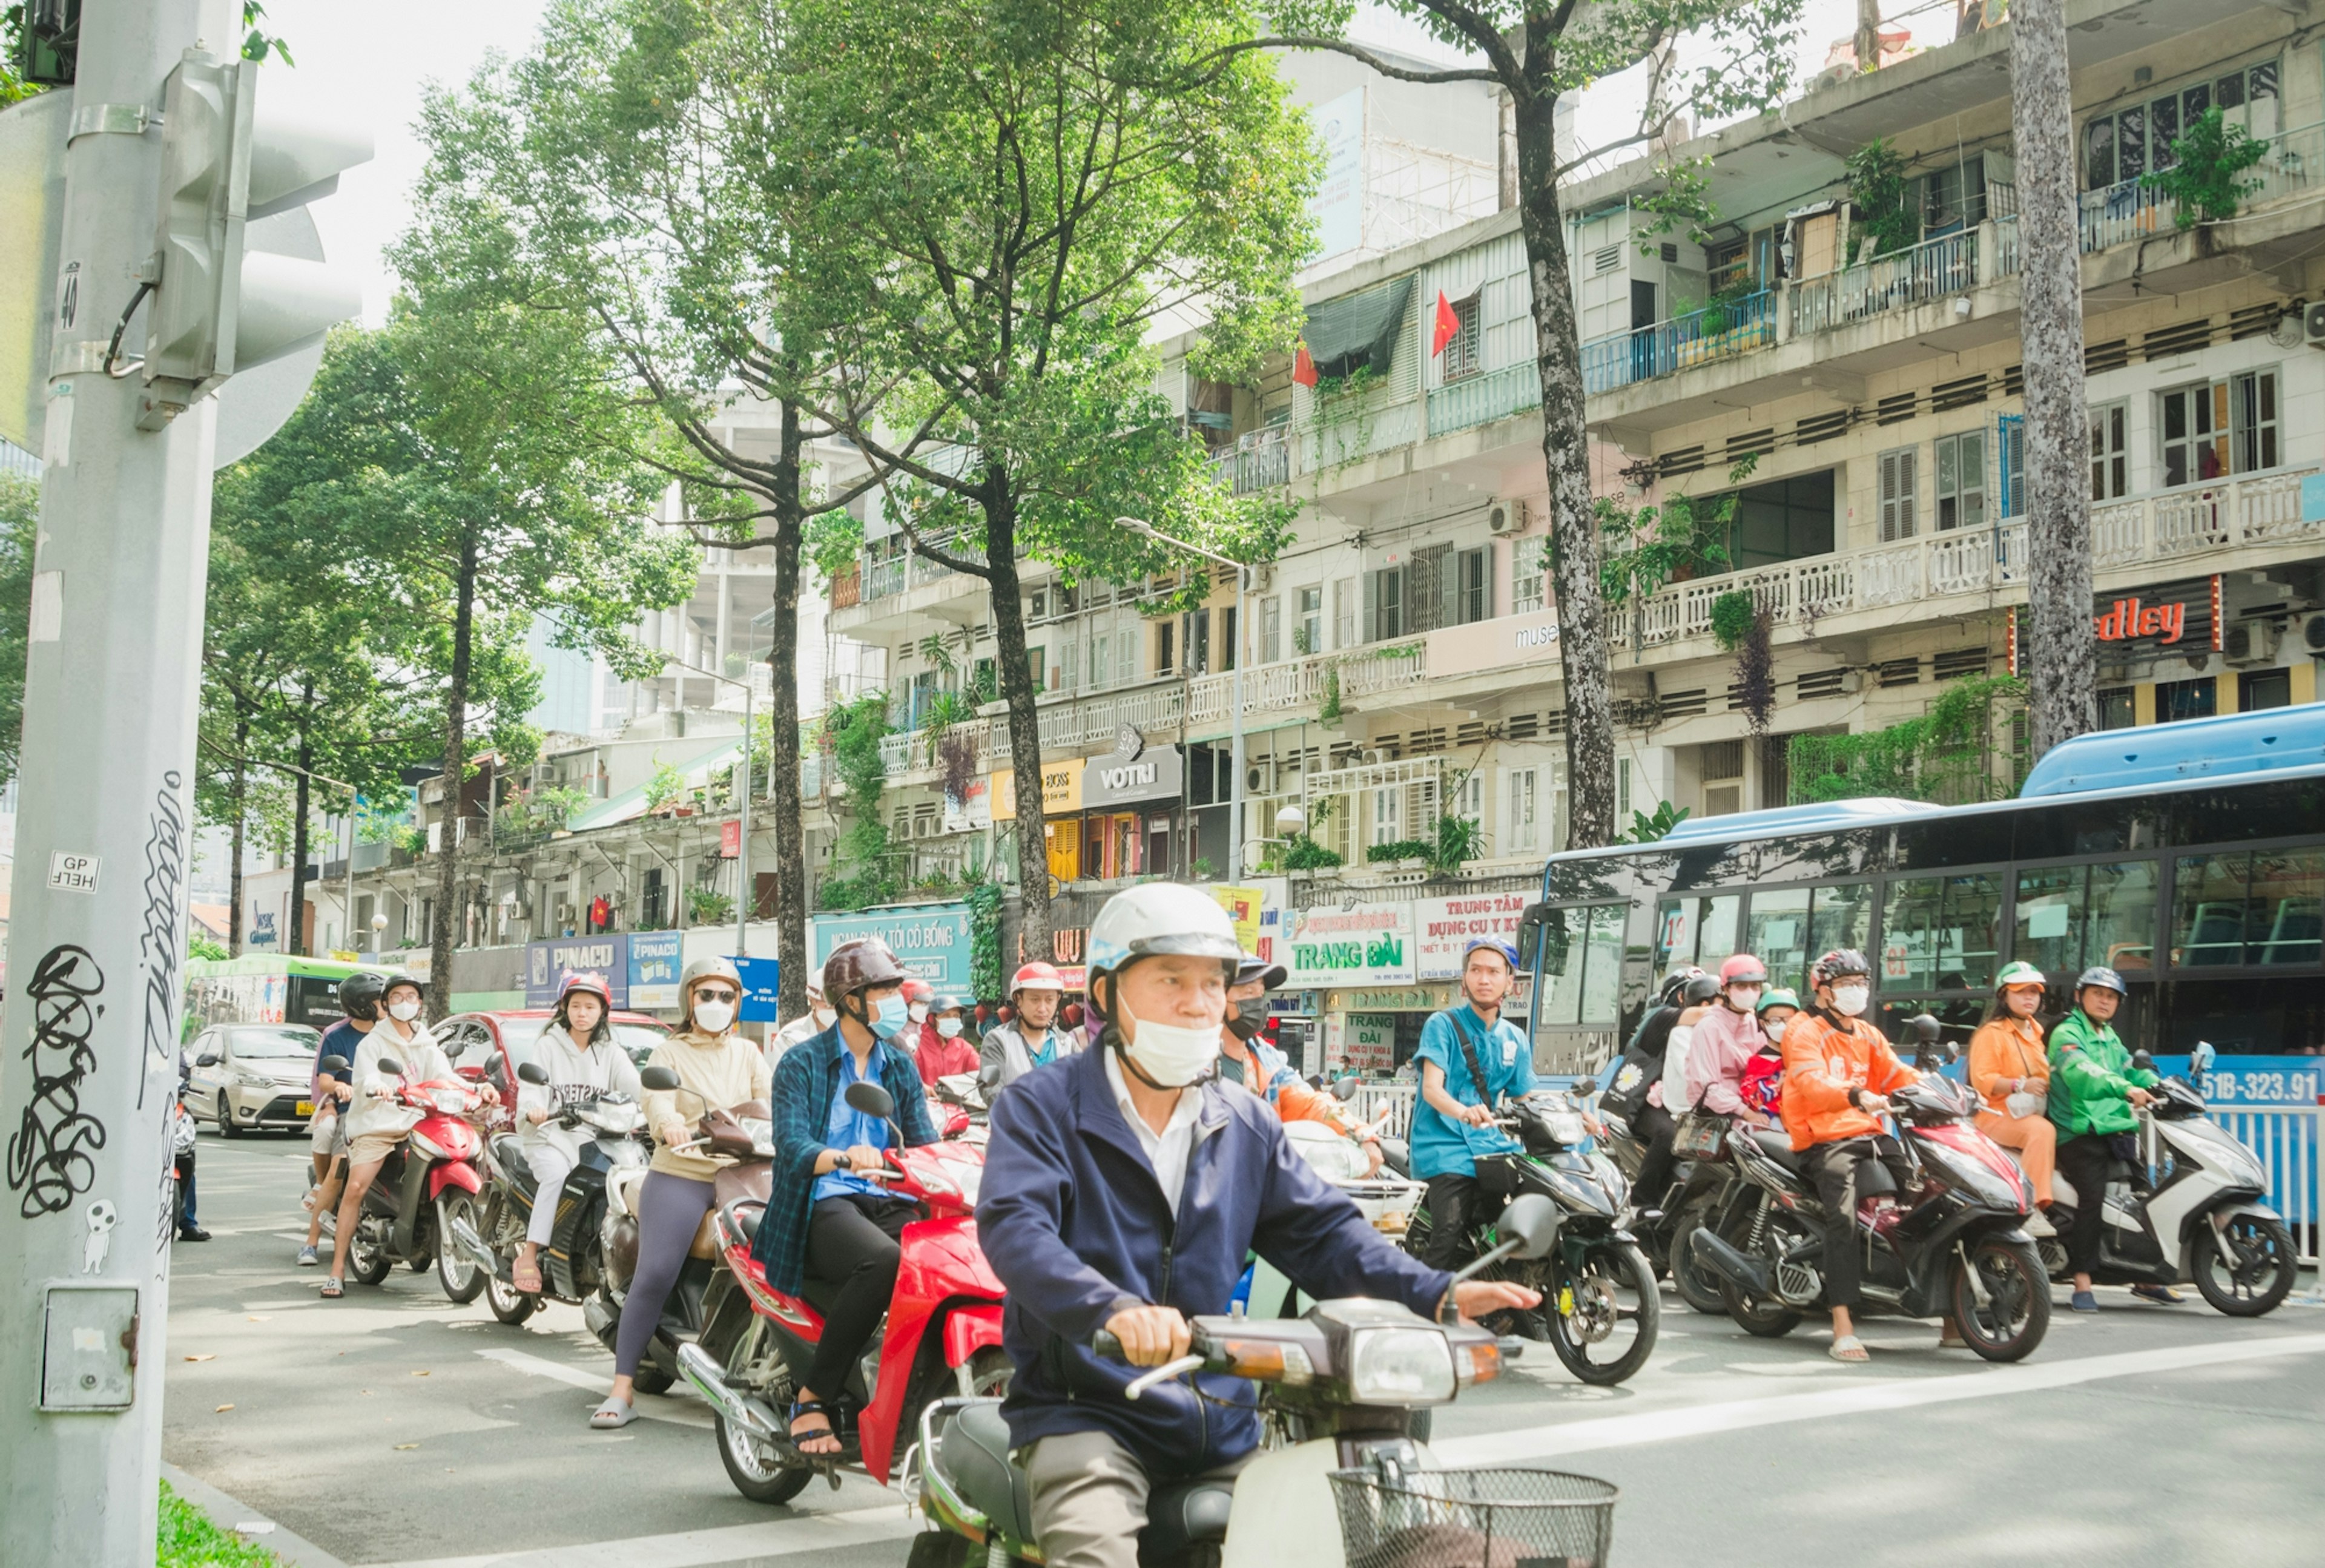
pixel 864 870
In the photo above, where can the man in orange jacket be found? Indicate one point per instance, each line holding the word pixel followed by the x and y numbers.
pixel 1836 1069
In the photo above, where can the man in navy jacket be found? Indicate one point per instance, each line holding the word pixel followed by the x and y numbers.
pixel 1123 1190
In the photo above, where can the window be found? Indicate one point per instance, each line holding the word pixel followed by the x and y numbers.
pixel 1469 805
pixel 2010 463
pixel 1520 802
pixel 2259 689
pixel 2070 916
pixel 1898 493
pixel 1429 588
pixel 1271 629
pixel 1781 520
pixel 1526 593
pixel 1622 789
pixel 2252 420
pixel 1777 930
pixel 1473 591
pixel 2261 908
pixel 1166 658
pixel 2217 428
pixel 1388 814
pixel 1953 197
pixel 2116 708
pixel 1230 638
pixel 1723 777
pixel 1581 965
pixel 1197 640
pixel 1689 930
pixel 1961 480
pixel 1384 604
pixel 2110 469
pixel 1308 631
pixel 2178 699
pixel 1461 350
pixel 1941 932
pixel 2286 912
pixel 1839 917
pixel 1344 614
pixel 2208 920
pixel 2122 145
pixel 1101 659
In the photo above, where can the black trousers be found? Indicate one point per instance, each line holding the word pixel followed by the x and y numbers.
pixel 1453 1209
pixel 2084 1162
pixel 1838 1170
pixel 852 1254
pixel 1656 1128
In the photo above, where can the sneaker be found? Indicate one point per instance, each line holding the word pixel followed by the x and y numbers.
pixel 2083 1301
pixel 2160 1294
pixel 307 1258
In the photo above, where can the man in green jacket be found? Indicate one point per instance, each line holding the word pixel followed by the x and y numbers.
pixel 2094 1092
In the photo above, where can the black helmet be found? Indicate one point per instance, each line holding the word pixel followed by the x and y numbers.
pixel 2104 977
pixel 1841 962
pixel 359 994
pixel 1699 989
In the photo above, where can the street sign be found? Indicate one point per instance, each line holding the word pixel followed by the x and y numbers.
pixel 762 983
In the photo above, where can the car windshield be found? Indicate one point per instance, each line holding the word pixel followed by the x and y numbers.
pixel 284 1044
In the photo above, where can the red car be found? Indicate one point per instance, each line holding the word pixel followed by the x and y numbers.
pixel 493 1045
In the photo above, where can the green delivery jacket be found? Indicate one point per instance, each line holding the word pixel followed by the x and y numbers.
pixel 2091 1076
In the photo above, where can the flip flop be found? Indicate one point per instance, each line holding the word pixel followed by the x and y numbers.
pixel 526 1277
pixel 1850 1348
pixel 612 1416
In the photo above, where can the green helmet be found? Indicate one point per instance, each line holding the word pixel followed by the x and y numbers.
pixel 2019 974
pixel 1777 997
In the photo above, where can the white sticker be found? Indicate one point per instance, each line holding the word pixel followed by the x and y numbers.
pixel 1509 1053
pixel 47 621
pixel 70 873
pixel 56 433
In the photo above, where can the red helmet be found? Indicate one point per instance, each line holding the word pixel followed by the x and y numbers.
pixel 917 990
pixel 583 980
pixel 1037 977
pixel 1743 970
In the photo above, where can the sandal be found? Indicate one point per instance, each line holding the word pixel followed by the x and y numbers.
pixel 526 1277
pixel 800 1410
pixel 1848 1347
pixel 612 1415
pixel 334 1288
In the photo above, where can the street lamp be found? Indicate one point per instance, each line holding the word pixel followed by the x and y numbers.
pixel 1146 530
pixel 743 899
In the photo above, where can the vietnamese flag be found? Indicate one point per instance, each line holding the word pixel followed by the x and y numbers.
pixel 1304 367
pixel 1448 324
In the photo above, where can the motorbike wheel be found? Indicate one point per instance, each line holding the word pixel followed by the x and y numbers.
pixel 1762 1319
pixel 455 1271
pixel 2263 1271
pixel 1587 1313
pixel 756 1476
pixel 650 1378
pixel 2017 1312
pixel 1698 1285
pixel 936 1549
pixel 367 1261
pixel 508 1303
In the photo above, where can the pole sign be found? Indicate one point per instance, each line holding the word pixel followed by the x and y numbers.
pixel 606 955
pixel 655 959
pixel 929 939
pixel 762 979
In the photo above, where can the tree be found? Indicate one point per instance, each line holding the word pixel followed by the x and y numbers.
pixel 2061 651
pixel 1538 52
pixel 1002 200
pixel 20 530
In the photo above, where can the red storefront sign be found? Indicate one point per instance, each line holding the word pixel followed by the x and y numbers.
pixel 730 839
pixel 2128 618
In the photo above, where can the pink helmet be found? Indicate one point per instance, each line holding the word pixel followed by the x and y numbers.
pixel 1743 970
pixel 584 980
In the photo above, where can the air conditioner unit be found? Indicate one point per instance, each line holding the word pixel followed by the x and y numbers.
pixel 2313 633
pixel 1507 517
pixel 1259 778
pixel 2251 643
pixel 2312 325
pixel 1263 577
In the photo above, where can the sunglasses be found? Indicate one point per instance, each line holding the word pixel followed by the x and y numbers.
pixel 715 994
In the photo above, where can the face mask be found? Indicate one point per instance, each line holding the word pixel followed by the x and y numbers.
pixel 888 1022
pixel 403 1012
pixel 1743 998
pixel 918 1012
pixel 1849 1001
pixel 1250 1017
pixel 1776 1029
pixel 1171 1055
pixel 948 1028
pixel 825 1017
pixel 712 1018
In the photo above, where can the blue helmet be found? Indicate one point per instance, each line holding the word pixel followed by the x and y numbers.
pixel 1492 945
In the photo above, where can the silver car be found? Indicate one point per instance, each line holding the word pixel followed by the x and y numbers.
pixel 249 1076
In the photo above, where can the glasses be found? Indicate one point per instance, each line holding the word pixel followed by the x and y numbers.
pixel 714 994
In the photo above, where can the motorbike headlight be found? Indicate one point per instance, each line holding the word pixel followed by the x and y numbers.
pixel 450 1101
pixel 1411 1366
pixel 1618 1185
pixel 1565 1126
pixel 425 1148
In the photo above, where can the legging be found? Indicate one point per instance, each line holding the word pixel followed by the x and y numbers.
pixel 669 1211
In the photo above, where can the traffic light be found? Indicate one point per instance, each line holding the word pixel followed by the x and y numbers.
pixel 219 307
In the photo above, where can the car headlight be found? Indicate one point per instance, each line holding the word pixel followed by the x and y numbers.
pixel 253 1080
pixel 1401 1366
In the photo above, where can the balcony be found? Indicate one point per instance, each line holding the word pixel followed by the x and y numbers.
pixel 1260 460
pixel 1696 338
pixel 1304 683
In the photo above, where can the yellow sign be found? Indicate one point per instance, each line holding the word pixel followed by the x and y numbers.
pixel 1061 790
pixel 1243 906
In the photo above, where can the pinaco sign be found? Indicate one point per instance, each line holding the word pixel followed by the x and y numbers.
pixel 2129 618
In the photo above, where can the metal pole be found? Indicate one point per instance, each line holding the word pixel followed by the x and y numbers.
pixel 1235 789
pixel 88 1041
pixel 742 846
pixel 355 809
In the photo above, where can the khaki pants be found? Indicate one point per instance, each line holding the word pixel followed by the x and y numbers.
pixel 2036 1141
pixel 1090 1500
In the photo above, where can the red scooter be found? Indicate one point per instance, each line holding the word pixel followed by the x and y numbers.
pixel 941 1337
pixel 429 1179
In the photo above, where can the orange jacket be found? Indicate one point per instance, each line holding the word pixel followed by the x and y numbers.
pixel 1824 1059
pixel 2006 1048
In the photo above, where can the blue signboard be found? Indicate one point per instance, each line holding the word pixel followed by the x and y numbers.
pixel 929 939
pixel 760 977
pixel 547 963
pixel 655 959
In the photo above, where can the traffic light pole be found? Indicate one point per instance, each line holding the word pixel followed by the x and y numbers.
pixel 89 1040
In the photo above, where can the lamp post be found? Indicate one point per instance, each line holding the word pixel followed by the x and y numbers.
pixel 1144 529
pixel 743 898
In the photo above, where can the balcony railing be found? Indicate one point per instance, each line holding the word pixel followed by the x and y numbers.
pixel 1485 397
pixel 1258 461
pixel 1351 436
pixel 897 573
pixel 1714 332
pixel 1913 276
pixel 1084 721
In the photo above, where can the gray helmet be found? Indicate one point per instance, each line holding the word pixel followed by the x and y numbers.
pixel 2104 977
pixel 704 968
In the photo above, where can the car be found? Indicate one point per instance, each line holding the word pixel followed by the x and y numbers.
pixel 493 1045
pixel 252 1076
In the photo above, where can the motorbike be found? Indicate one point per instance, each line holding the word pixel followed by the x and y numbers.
pixel 941 1334
pixel 429 1179
pixel 1342 1382
pixel 1386 1199
pixel 1950 1242
pixel 2203 1219
pixel 1600 1307
pixel 745 1135
pixel 606 1130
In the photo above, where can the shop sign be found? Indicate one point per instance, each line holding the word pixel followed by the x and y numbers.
pixel 971 812
pixel 655 959
pixel 1408 999
pixel 1494 645
pixel 761 990
pixel 1119 779
pixel 1444 927
pixel 730 839
pixel 1367 1044
pixel 1061 790
pixel 1245 907
pixel 548 962
pixel 1371 944
pixel 929 939
pixel 2128 618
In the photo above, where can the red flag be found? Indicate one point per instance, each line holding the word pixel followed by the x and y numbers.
pixel 1303 368
pixel 1448 324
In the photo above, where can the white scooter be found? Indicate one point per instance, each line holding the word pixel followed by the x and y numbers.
pixel 2202 1218
pixel 1344 1382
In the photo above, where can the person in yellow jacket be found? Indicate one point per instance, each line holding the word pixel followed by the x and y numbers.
pixel 2010 1068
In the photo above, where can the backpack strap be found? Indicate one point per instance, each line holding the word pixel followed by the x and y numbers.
pixel 1469 1054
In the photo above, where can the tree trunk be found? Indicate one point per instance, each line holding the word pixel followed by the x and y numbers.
pixel 456 747
pixel 2059 649
pixel 295 939
pixel 1025 719
pixel 783 729
pixel 241 833
pixel 1574 526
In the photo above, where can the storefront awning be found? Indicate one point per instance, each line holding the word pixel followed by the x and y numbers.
pixel 1357 333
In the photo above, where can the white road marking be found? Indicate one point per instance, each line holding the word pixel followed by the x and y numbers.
pixel 691 1548
pixel 1857 1399
pixel 652 1407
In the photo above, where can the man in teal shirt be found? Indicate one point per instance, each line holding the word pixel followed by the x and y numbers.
pixel 1469 1060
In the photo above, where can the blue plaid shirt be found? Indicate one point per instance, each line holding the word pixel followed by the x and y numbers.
pixel 808 1083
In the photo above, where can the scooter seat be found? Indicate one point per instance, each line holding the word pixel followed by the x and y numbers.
pixel 1184 1515
pixel 1779 1149
pixel 508 1157
pixel 975 1455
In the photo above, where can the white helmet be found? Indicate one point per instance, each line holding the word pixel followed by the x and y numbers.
pixel 1160 918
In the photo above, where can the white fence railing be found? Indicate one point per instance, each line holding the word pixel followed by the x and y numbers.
pixel 2287 1139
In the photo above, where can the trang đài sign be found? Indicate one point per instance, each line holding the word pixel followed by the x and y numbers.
pixel 1369 945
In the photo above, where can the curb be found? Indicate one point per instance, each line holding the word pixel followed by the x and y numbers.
pixel 227 1514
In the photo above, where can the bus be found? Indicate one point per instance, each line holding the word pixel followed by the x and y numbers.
pixel 2190 857
pixel 265 989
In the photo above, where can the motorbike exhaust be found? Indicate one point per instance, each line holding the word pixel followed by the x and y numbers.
pixel 708 1379
pixel 472 1247
pixel 1715 1254
pixel 600 1320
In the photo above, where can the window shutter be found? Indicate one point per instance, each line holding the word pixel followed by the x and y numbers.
pixel 1372 607
pixel 1897 499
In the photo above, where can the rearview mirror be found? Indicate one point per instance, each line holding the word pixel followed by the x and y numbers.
pixel 391 1066
pixel 871 1099
pixel 534 1073
pixel 988 1077
pixel 1531 921
pixel 207 1058
pixel 1345 1087
pixel 659 1079
pixel 1925 1028
pixel 333 1064
pixel 1532 1221
pixel 2144 1060
pixel 2202 1058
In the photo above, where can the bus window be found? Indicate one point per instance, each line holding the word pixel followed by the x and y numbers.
pixel 2208 919
pixel 1719 926
pixel 1695 931
pixel 1941 932
pixel 1602 972
pixel 1777 933
pixel 1582 965
pixel 1562 950
pixel 2288 903
pixel 1840 917
pixel 2049 933
pixel 2121 917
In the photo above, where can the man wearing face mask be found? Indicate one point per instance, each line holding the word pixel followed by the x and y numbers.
pixel 832 1231
pixel 1246 1059
pixel 1030 1039
pixel 1836 1069
pixel 1123 1190
pixel 1469 1060
pixel 818 1017
pixel 942 1052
